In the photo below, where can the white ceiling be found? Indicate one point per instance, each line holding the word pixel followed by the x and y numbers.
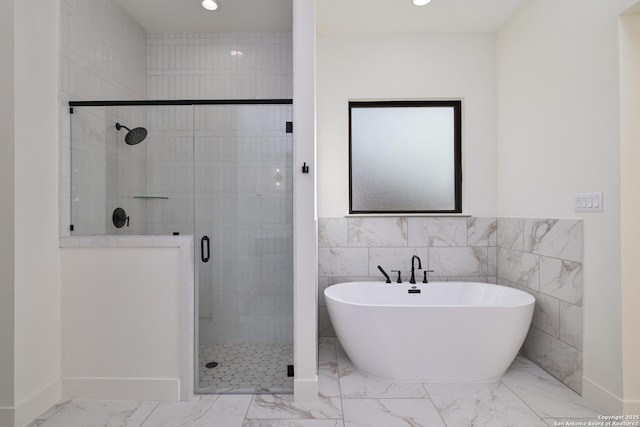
pixel 402 17
pixel 333 16
pixel 158 16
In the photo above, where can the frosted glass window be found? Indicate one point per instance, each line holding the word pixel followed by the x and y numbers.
pixel 405 156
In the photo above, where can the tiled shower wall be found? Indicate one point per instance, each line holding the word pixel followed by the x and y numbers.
pixel 219 65
pixel 106 172
pixel 540 256
pixel 169 169
pixel 103 52
pixel 105 55
pixel 244 193
pixel 243 179
pixel 102 57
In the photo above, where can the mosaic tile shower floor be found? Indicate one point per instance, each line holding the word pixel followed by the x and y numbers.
pixel 245 368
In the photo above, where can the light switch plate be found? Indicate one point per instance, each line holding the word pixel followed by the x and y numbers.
pixel 587 202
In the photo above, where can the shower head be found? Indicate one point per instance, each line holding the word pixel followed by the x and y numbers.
pixel 134 136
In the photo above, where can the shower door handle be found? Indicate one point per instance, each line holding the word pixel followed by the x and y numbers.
pixel 205 241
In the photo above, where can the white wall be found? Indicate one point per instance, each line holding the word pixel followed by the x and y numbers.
pixel 7 208
pixel 630 205
pixel 37 257
pixel 305 260
pixel 407 67
pixel 558 134
pixel 120 323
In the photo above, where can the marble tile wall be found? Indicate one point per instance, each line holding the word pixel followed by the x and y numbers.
pixel 544 258
pixel 350 249
pixel 540 256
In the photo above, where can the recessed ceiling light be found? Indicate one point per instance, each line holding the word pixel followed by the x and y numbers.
pixel 420 2
pixel 209 4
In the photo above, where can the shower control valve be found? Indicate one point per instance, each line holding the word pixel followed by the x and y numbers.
pixel 399 275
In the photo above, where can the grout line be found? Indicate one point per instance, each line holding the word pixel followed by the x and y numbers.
pixel 521 399
pixel 424 386
pixel 246 413
pixel 537 254
pixel 147 417
pixel 335 349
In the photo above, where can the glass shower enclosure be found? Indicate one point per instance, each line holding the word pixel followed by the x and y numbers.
pixel 222 172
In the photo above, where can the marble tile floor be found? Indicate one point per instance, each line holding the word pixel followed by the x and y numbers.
pixel 245 368
pixel 525 396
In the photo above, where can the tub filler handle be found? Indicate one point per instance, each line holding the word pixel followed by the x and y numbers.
pixel 426 276
pixel 399 275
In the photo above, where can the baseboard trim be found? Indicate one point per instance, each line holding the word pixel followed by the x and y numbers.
pixel 165 389
pixel 305 390
pixel 631 407
pixel 602 399
pixel 35 405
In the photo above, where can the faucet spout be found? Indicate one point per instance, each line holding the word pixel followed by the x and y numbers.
pixel 413 268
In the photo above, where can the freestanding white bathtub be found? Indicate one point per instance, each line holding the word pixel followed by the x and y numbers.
pixel 449 332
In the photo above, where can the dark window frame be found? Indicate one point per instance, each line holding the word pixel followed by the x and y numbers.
pixel 457 115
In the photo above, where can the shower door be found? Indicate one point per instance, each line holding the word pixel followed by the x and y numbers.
pixel 244 241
